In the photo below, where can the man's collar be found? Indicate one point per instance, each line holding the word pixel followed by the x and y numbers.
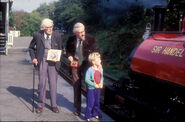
pixel 45 35
pixel 77 39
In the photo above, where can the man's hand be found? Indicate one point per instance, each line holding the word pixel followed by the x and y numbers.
pixel 54 60
pixel 35 61
pixel 70 58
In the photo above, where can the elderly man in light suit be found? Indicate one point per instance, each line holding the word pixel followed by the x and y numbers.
pixel 43 41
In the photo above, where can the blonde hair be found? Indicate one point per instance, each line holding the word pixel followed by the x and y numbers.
pixel 93 56
pixel 77 26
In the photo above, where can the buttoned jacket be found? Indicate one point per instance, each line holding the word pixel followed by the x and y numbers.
pixel 89 46
pixel 37 45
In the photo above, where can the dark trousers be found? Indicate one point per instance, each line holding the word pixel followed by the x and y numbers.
pixel 76 73
pixel 47 70
pixel 93 103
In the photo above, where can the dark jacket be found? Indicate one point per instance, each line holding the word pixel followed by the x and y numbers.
pixel 36 47
pixel 89 46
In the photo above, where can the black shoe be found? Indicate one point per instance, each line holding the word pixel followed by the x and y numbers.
pixel 77 113
pixel 100 115
pixel 39 110
pixel 55 110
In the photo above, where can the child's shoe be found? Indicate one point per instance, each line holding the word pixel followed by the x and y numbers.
pixel 97 117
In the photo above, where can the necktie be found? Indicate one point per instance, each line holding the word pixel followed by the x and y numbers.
pixel 80 53
pixel 47 37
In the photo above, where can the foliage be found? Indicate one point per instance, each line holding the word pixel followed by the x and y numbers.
pixel 67 12
pixel 92 11
pixel 32 24
pixel 174 13
pixel 26 23
pixel 11 20
pixel 117 42
pixel 46 11
pixel 43 10
pixel 18 17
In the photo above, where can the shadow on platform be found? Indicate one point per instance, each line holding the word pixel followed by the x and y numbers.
pixel 26 96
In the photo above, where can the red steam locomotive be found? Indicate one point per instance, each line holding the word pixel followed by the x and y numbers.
pixel 156 91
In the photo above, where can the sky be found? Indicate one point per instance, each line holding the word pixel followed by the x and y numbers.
pixel 28 5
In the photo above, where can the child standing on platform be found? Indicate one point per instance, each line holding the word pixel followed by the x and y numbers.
pixel 94 81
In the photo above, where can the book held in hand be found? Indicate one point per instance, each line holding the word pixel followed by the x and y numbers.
pixel 54 55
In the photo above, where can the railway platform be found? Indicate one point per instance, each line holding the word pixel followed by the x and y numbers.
pixel 16 90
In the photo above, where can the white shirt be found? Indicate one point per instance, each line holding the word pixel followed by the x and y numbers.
pixel 45 36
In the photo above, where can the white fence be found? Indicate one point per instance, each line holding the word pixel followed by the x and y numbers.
pixel 10 39
pixel 11 35
pixel 15 33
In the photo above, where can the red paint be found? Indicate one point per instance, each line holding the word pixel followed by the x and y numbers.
pixel 159 65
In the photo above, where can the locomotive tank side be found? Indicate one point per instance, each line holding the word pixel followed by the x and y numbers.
pixel 157 73
pixel 161 56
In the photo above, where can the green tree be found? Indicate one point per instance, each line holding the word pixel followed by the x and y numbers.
pixel 93 10
pixel 43 10
pixel 32 24
pixel 27 23
pixel 174 13
pixel 67 12
pixel 46 11
pixel 11 20
pixel 18 17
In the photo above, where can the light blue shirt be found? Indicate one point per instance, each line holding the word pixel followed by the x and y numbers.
pixel 89 78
